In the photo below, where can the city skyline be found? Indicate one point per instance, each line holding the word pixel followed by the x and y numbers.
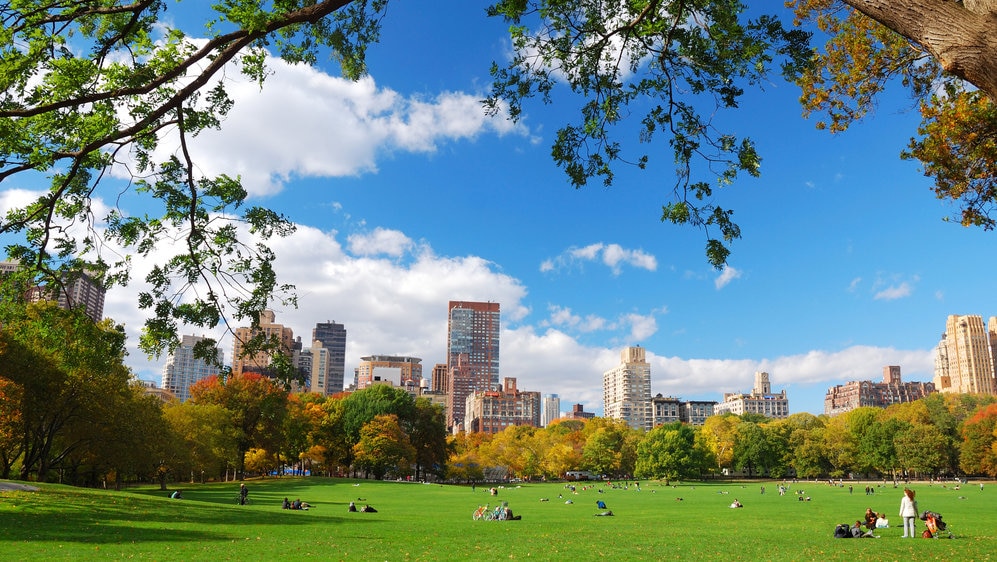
pixel 406 195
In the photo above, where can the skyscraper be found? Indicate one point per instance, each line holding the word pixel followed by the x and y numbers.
pixel 260 362
pixel 472 353
pixel 333 338
pixel 965 358
pixel 551 409
pixel 182 369
pixel 81 291
pixel 626 390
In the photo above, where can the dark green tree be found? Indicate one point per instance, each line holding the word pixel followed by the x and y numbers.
pixel 428 434
pixel 670 452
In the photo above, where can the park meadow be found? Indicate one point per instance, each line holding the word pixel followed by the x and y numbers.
pixel 414 521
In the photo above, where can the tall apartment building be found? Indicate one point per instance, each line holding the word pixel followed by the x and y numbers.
pixel 182 369
pixel 270 329
pixel 965 358
pixel 399 370
pixel 626 390
pixel 760 401
pixel 439 381
pixel 551 409
pixel 302 361
pixel 855 394
pixel 491 411
pixel 472 354
pixel 80 291
pixel 333 338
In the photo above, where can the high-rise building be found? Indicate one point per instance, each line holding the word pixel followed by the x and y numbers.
pixel 964 362
pixel 439 381
pixel 79 291
pixel 760 401
pixel 333 338
pixel 491 411
pixel 182 369
pixel 260 362
pixel 551 409
pixel 626 390
pixel 398 370
pixel 472 353
pixel 892 390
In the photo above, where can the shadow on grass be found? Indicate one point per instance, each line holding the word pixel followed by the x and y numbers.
pixel 103 517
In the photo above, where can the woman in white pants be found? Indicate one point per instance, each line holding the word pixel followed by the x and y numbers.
pixel 908 510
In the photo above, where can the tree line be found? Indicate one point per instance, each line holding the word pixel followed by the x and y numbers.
pixel 70 411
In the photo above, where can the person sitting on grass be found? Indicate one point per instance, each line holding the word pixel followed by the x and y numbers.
pixel 177 495
pixel 735 504
pixel 858 533
pixel 870 519
pixel 367 509
pixel 882 522
pixel 286 504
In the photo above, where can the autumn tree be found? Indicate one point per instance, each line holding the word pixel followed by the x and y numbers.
pixel 67 370
pixel 942 52
pixel 978 454
pixel 610 447
pixel 209 438
pixel 257 405
pixel 720 436
pixel 464 462
pixel 384 447
pixel 11 423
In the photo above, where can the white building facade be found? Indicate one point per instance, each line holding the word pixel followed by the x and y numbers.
pixel 626 390
pixel 182 369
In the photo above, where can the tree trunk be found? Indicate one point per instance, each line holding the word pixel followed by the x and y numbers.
pixel 962 37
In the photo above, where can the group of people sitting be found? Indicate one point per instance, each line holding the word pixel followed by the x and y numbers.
pixel 870 521
pixel 875 520
pixel 296 504
pixel 365 509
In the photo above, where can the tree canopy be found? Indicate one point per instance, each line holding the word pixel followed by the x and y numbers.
pixel 100 89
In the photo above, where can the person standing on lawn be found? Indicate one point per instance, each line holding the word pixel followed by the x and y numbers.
pixel 908 510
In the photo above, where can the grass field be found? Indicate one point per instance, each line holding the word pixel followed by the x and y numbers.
pixel 433 522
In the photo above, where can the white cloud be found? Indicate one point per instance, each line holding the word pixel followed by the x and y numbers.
pixel 895 292
pixel 613 256
pixel 726 276
pixel 305 123
pixel 894 287
pixel 805 376
pixel 380 241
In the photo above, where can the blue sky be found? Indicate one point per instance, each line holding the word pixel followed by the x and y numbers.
pixel 407 196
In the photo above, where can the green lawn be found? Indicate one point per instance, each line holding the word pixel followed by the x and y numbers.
pixel 433 522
